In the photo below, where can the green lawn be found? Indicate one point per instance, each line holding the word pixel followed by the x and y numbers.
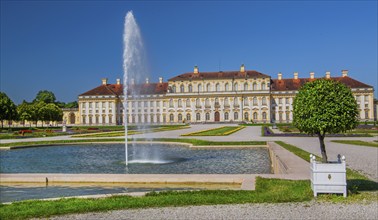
pixel 356 142
pixel 222 131
pixel 267 190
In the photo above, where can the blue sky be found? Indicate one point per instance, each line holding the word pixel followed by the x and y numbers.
pixel 68 46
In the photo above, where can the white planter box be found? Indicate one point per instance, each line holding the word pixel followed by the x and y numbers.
pixel 328 177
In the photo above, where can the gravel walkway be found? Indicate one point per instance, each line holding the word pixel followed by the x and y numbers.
pixel 307 210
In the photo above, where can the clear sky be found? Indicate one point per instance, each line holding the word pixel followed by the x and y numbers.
pixel 68 46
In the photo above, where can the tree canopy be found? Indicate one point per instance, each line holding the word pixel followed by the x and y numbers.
pixel 8 110
pixel 324 106
pixel 45 96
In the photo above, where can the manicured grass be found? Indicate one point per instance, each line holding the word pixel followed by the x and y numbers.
pixel 355 181
pixel 267 190
pixel 195 142
pixel 356 142
pixel 222 131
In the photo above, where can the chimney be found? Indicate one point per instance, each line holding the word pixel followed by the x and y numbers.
pixel 104 81
pixel 279 76
pixel 242 68
pixel 195 70
pixel 295 75
pixel 132 81
pixel 344 73
pixel 147 81
pixel 328 74
pixel 118 81
pixel 160 79
pixel 312 75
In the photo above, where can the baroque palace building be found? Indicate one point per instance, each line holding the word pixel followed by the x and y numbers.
pixel 204 97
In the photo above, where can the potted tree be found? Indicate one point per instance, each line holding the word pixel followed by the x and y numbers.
pixel 320 107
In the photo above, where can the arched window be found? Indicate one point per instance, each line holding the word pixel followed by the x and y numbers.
pixel 208 87
pixel 188 118
pixel 198 117
pixel 255 116
pixel 216 101
pixel 245 101
pixel 254 101
pixel 171 117
pixel 236 103
pixel 190 88
pixel 180 117
pixel 182 88
pixel 173 89
pixel 199 87
pixel 171 103
pixel 246 116
pixel 198 103
pixel 254 86
pixel 264 100
pixel 179 103
pixel 217 87
pixel 207 116
pixel 236 116
pixel 264 115
pixel 226 116
pixel 207 102
pixel 188 103
pixel 226 103
pixel 235 87
pixel 226 87
pixel 245 86
pixel 263 87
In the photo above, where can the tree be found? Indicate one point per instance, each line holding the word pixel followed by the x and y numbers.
pixel 324 106
pixel 24 112
pixel 45 96
pixel 50 112
pixel 72 105
pixel 8 110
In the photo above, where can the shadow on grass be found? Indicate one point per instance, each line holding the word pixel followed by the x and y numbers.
pixel 361 185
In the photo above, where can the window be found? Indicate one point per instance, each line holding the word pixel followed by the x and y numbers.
pixel 226 116
pixel 264 115
pixel 254 86
pixel 366 114
pixel 171 103
pixel 217 87
pixel 216 101
pixel 254 101
pixel 287 116
pixel 207 116
pixel 287 101
pixel 245 100
pixel 152 118
pixel 190 88
pixel 208 87
pixel 236 116
pixel 139 104
pixel 226 103
pixel 198 117
pixel 199 87
pixel 171 117
pixel 173 89
pixel 145 104
pixel 152 104
pixel 246 116
pixel 164 104
pixel 207 102
pixel 188 118
pixel 236 102
pixel 145 118
pixel 179 103
pixel 280 101
pixel 180 117
pixel 90 105
pixel 226 87
pixel 264 100
pixel 245 86
pixel 263 87
pixel 182 88
pixel 187 103
pixel 235 87
pixel 96 104
pixel 358 98
pixel 103 119
pixel 198 103
pixel 366 98
pixel 255 116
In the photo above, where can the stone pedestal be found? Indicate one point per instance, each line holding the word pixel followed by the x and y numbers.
pixel 328 177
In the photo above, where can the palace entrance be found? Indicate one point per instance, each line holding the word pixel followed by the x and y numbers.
pixel 216 116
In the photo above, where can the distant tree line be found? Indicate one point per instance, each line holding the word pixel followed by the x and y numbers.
pixel 43 108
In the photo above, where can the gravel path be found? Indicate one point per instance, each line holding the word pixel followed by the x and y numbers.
pixel 307 210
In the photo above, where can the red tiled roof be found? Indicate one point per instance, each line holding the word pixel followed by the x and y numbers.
pixel 117 89
pixel 219 75
pixel 295 84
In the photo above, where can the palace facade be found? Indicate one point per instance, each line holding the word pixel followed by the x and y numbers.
pixel 204 97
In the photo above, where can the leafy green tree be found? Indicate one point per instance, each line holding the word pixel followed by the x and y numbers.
pixel 72 105
pixel 45 96
pixel 50 112
pixel 24 112
pixel 324 106
pixel 8 110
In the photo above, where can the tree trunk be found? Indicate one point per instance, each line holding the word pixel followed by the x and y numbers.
pixel 322 147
